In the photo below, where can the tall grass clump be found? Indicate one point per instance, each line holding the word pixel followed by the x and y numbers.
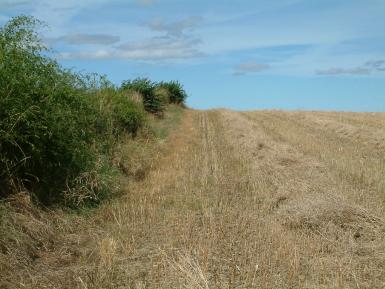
pixel 176 93
pixel 53 124
pixel 152 101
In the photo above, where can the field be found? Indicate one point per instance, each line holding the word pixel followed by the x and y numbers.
pixel 266 199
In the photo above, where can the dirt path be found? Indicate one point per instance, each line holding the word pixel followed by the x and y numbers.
pixel 249 200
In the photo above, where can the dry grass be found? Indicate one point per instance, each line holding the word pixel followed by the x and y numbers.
pixel 234 200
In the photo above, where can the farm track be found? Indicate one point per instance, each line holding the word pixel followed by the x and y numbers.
pixel 266 199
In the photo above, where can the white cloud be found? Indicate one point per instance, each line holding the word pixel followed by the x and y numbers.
pixel 224 30
pixel 174 43
pixel 80 38
pixel 153 55
pixel 165 43
pixel 251 66
pixel 147 54
pixel 162 48
pixel 367 68
pixel 96 54
pixel 159 48
pixel 176 28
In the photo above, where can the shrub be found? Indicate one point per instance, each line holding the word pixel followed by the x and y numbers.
pixel 46 123
pixel 126 116
pixel 152 101
pixel 58 129
pixel 176 93
pixel 54 124
pixel 119 111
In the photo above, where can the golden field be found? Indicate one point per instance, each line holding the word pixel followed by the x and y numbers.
pixel 265 199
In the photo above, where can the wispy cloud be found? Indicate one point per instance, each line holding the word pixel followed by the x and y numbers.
pixel 76 39
pixel 378 65
pixel 309 38
pixel 162 48
pixel 250 66
pixel 176 28
pixel 174 42
pixel 365 69
pixel 340 71
pixel 8 4
pixel 132 55
pixel 153 49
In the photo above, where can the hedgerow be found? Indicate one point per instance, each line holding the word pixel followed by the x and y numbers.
pixel 58 128
pixel 51 126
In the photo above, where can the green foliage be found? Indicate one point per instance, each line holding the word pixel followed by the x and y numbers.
pixel 117 112
pixel 152 102
pixel 41 113
pixel 176 92
pixel 128 115
pixel 120 113
pixel 51 126
pixel 59 129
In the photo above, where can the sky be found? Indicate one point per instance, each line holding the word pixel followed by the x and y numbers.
pixel 239 54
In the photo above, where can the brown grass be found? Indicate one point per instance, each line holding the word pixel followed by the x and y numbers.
pixel 234 200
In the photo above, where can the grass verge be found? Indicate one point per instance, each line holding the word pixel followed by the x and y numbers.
pixel 45 247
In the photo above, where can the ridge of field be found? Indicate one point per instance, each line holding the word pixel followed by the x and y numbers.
pixel 264 199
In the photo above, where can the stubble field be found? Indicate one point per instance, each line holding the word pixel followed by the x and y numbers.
pixel 265 199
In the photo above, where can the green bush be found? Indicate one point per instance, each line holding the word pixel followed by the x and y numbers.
pixel 176 93
pixel 59 129
pixel 122 114
pixel 53 122
pixel 46 123
pixel 128 115
pixel 152 101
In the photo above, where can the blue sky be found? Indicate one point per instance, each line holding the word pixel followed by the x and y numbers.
pixel 240 54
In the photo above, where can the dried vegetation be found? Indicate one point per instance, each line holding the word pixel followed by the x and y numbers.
pixel 234 200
